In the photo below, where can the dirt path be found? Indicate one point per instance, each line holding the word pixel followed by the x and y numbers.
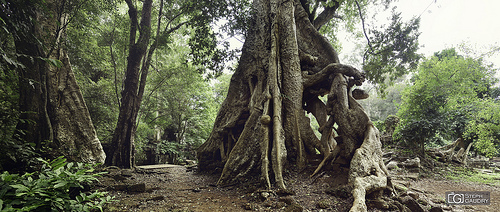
pixel 175 188
pixel 171 189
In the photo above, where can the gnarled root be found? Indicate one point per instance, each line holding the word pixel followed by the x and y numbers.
pixel 331 156
pixel 447 153
pixel 368 172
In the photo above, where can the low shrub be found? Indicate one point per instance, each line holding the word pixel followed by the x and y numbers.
pixel 58 186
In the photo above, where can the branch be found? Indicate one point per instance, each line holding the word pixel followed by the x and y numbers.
pixel 363 22
pixel 113 62
pixel 134 23
pixel 325 16
pixel 64 22
pixel 310 80
pixel 364 32
pixel 174 17
pixel 174 28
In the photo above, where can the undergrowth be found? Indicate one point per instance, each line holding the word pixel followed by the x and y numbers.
pixel 472 175
pixel 58 186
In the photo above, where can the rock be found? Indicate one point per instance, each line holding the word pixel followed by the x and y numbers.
pixel 288 200
pixel 413 195
pixel 400 188
pixel 323 204
pixel 264 195
pixel 285 192
pixel 486 171
pixel 387 154
pixel 360 94
pixel 411 163
pixel 412 176
pixel 120 187
pixel 392 165
pixel 119 177
pixel 248 206
pixel 294 208
pixel 438 201
pixel 436 209
pixel 127 172
pixel 190 162
pixel 378 203
pixel 411 204
pixel 342 192
pixel 139 188
pixel 280 205
pixel 447 208
pixel 157 198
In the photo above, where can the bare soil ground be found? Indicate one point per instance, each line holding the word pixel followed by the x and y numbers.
pixel 177 188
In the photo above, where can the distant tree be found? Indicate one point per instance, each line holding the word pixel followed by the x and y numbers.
pixel 443 97
pixel 484 128
pixel 391 51
pixel 179 105
pixel 144 39
pixel 97 50
pixel 380 105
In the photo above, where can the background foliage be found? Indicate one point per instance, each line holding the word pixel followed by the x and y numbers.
pixel 447 95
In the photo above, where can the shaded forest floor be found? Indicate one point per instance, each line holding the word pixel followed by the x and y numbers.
pixel 178 188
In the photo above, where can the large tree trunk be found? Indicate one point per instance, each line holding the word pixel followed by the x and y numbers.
pixel 50 98
pixel 122 152
pixel 285 65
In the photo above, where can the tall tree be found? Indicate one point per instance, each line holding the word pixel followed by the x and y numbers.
pixel 142 47
pixel 284 66
pixel 135 78
pixel 52 108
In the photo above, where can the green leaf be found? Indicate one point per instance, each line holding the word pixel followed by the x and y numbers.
pixel 21 194
pixel 20 187
pixel 53 62
pixel 60 184
pixel 58 163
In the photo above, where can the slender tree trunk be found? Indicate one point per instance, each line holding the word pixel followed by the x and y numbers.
pixel 122 153
pixel 50 97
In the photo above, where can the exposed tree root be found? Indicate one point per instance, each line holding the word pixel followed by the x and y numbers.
pixel 368 172
pixel 262 124
pixel 360 143
pixel 447 153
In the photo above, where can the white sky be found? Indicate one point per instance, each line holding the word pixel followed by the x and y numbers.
pixel 443 24
pixel 447 23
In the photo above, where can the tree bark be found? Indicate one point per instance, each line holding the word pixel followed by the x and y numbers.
pixel 50 97
pixel 285 65
pixel 122 153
